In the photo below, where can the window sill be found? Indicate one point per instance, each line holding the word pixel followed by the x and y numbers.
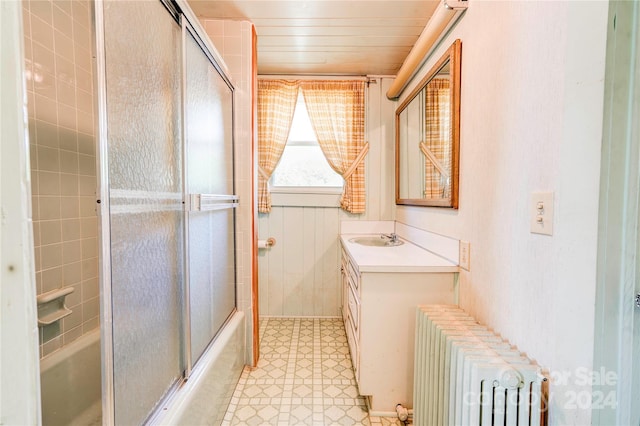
pixel 306 196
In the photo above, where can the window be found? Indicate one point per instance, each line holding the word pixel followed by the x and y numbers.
pixel 303 164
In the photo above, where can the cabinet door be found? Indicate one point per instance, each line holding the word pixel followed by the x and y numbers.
pixel 354 348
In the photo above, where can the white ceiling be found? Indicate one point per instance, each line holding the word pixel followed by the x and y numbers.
pixel 324 37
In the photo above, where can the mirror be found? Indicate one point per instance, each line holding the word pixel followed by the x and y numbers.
pixel 428 137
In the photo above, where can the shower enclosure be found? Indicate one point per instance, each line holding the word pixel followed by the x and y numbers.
pixel 166 202
pixel 133 218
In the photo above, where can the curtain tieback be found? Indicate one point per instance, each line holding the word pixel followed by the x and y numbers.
pixel 356 162
pixel 432 157
pixel 263 173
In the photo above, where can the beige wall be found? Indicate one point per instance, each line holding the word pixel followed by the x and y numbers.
pixel 58 44
pixel 531 120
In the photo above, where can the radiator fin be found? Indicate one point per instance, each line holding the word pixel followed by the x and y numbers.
pixel 465 374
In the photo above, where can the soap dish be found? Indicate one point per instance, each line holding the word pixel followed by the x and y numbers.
pixel 51 306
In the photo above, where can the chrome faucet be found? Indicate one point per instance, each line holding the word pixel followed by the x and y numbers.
pixel 393 237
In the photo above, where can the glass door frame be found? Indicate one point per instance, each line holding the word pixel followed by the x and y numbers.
pixel 220 201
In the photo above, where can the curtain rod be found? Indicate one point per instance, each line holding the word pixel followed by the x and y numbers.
pixel 313 77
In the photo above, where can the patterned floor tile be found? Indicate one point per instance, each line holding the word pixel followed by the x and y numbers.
pixel 304 377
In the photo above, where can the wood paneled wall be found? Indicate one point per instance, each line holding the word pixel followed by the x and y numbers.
pixel 300 275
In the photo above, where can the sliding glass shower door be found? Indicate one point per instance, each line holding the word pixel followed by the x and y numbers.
pixel 143 82
pixel 169 203
pixel 211 246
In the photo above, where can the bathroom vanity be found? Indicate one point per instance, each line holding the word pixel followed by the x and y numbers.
pixel 381 287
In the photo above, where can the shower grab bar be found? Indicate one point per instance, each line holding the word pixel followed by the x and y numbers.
pixel 207 202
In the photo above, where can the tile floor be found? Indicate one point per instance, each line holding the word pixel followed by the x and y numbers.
pixel 304 377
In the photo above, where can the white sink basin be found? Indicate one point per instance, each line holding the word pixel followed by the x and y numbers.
pixel 376 241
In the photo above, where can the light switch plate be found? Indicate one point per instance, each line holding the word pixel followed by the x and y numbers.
pixel 465 255
pixel 541 213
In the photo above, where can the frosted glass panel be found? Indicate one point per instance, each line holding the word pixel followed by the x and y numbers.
pixel 211 275
pixel 144 157
pixel 210 171
pixel 209 125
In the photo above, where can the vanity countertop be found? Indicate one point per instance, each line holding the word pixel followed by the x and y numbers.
pixel 407 257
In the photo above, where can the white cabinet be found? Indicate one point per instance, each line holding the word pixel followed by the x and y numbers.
pixel 379 314
pixel 351 309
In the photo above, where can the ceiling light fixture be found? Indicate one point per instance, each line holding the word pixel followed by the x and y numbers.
pixel 445 15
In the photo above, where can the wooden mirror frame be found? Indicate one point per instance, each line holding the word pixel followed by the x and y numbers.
pixel 453 55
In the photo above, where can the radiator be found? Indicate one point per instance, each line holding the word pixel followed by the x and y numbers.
pixel 465 374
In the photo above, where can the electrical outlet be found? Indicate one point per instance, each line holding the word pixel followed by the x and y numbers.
pixel 465 254
pixel 542 213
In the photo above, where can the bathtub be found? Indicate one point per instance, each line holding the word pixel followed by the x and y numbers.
pixel 204 398
pixel 70 383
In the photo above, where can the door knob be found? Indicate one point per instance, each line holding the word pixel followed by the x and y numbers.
pixel 638 300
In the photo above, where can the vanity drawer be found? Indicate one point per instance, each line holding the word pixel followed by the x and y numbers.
pixel 354 311
pixel 354 279
pixel 353 284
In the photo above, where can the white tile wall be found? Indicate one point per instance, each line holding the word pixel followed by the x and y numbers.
pixel 58 60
